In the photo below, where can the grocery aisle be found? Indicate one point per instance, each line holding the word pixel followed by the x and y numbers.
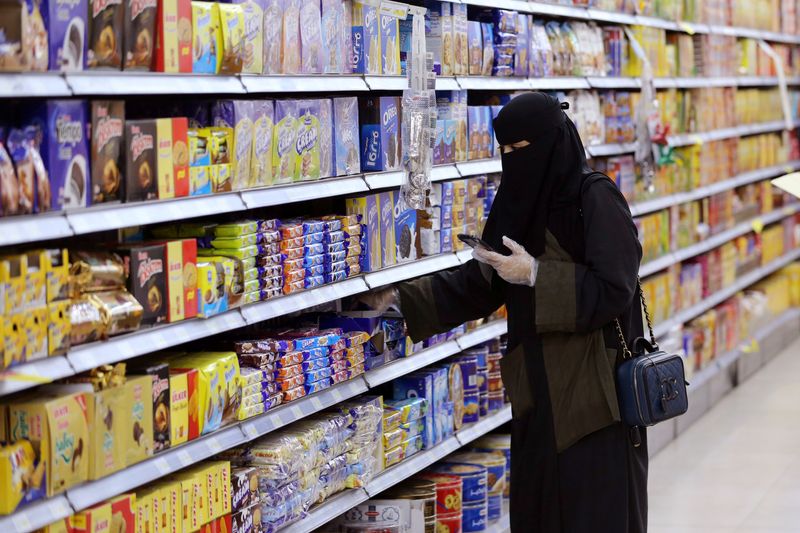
pixel 738 468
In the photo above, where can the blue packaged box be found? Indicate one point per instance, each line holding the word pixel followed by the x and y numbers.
pixel 390 46
pixel 386 205
pixel 66 24
pixel 418 385
pixel 366 39
pixel 405 230
pixel 367 207
pixel 345 120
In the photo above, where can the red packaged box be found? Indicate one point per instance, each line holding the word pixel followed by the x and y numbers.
pixel 180 149
pixel 174 37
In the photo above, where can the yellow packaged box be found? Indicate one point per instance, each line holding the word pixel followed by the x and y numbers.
pixel 36 320
pixel 123 513
pixel 144 509
pixel 190 511
pixel 12 281
pixel 59 327
pixel 232 31
pixel 109 421
pixel 56 268
pixel 212 294
pixel 164 162
pixel 253 44
pixel 57 425
pixel 207 38
pixel 217 386
pixel 172 497
pixel 93 520
pixel 139 434
pixel 199 180
pixel 179 407
pixel 35 290
pixel 221 178
pixel 21 476
pixel 223 496
pixel 14 339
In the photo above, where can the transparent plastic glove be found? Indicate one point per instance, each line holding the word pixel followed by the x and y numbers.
pixel 518 268
pixel 381 299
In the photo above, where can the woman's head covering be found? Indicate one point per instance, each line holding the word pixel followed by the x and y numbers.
pixel 541 181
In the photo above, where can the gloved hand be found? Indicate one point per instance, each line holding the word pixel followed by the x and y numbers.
pixel 381 299
pixel 519 268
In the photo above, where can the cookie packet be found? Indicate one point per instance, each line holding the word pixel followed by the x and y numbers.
pixel 340 376
pixel 315 364
pixel 268 387
pixel 294 394
pixel 318 386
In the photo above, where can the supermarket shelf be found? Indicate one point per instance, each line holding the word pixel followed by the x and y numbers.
pixel 301 192
pixel 464 255
pixel 284 305
pixel 87 356
pixel 553 84
pixel 34 373
pixel 444 172
pixel 719 297
pixel 469 433
pixel 555 10
pixel 603 150
pixel 330 509
pixel 384 180
pixel 33 84
pixel 416 361
pixel 686 139
pixel 291 412
pixel 113 216
pixel 486 83
pixel 483 334
pixel 745 178
pixel 412 269
pixel 254 84
pixel 609 82
pixel 33 228
pixel 503 525
pixel 386 83
pixel 163 464
pixel 483 166
pixel 37 515
pixel 420 461
pixel 110 83
pixel 607 16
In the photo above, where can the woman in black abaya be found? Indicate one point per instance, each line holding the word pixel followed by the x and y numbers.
pixel 566 265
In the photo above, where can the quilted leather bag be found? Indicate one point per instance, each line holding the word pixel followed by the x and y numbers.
pixel 651 384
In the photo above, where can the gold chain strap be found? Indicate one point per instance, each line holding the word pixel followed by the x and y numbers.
pixel 626 352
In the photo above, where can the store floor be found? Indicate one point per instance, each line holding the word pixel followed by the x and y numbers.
pixel 737 469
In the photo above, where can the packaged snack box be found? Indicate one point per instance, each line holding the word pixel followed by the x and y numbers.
pixel 109 419
pixel 325 140
pixel 181 257
pixel 95 519
pixel 475 47
pixel 380 133
pixel 405 230
pixel 18 463
pixel 183 406
pixel 460 40
pixel 345 121
pixel 199 181
pixel 56 424
pixel 487 32
pixel 65 26
pixel 390 45
pixel 207 38
pixel 140 34
pixel 147 279
pixel 174 43
pixel 106 18
pixel 261 158
pixel 313 55
pixel 59 327
pixel 367 207
pixel 253 43
pixel 108 144
pixel 165 169
pixel 238 115
pixel 123 513
pixel 212 294
pixel 366 39
pixel 335 28
pixel 231 23
pixel 307 141
pixel 140 168
pixel 291 51
pixel 273 35
pixel 284 135
pixel 439 34
pixel 65 151
pixel 386 205
pixel 180 155
pixel 159 374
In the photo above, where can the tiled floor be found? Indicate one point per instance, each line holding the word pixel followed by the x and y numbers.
pixel 737 469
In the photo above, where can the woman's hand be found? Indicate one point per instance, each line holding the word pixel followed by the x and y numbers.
pixel 381 299
pixel 518 268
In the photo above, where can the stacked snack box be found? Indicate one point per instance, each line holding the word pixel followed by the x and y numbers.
pixel 406 424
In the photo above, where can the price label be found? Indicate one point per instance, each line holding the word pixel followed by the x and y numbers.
pixel 758 225
pixel 214 446
pixel 162 466
pixel 21 522
pixel 184 458
pixel 250 431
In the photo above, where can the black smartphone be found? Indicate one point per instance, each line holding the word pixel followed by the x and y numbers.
pixel 472 241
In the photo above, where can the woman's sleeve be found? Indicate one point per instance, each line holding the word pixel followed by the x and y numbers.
pixel 439 302
pixel 573 297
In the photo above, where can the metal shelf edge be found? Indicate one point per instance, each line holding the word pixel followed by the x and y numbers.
pixel 412 363
pixel 37 515
pixel 411 269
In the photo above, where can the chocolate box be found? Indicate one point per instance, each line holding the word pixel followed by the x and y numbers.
pixel 345 120
pixel 180 155
pixel 181 259
pixel 64 148
pixel 147 279
pixel 140 34
pixel 139 399
pixel 380 134
pixel 336 58
pixel 325 139
pixel 405 230
pixel 307 141
pixel 390 45
pixel 66 26
pixel 106 18
pixel 283 141
pixel 238 115
pixel 244 488
pixel 159 375
pixel 174 42
pixel 207 38
pixel 140 154
pixel 366 39
pixel 312 52
pixel 108 140
pixel 386 206
pixel 291 53
pixel 261 159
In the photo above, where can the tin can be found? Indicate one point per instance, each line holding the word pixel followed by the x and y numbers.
pixel 493 361
pixel 498 443
pixel 471 407
pixel 422 491
pixel 448 492
pixel 495 464
pixel 496 400
pixel 469 370
pixel 473 517
pixel 482 376
pixel 456 385
pixel 483 403
pixel 473 477
pixel 448 523
pixel 495 381
pixel 494 506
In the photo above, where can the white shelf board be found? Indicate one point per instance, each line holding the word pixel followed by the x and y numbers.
pixel 301 192
pixel 87 356
pixel 469 433
pixel 444 172
pixel 447 83
pixel 602 150
pixel 556 10
pixel 386 83
pixel 482 334
pixel 160 465
pixel 655 22
pixel 284 305
pixel 321 514
pixel 464 255
pixel 557 84
pixel 412 269
pixel 24 84
pixel 33 228
pixel 113 83
pixel 414 362
pixel 600 15
pixel 494 83
pixel 384 180
pixel 33 373
pixel 483 166
pixel 37 515
pixel 113 216
pixel 255 84
pixel 613 82
pixel 416 463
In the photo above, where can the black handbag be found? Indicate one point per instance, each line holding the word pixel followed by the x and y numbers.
pixel 651 384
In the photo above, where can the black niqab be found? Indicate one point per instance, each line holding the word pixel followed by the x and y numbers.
pixel 541 182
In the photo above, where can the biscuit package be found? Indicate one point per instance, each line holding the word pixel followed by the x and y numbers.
pixel 18 467
pixel 405 230
pixel 108 145
pixel 33 191
pixel 345 119
pixel 184 424
pixel 165 168
pixel 474 47
pixel 366 39
pixel 380 134
pixel 386 206
pixel 313 55
pixel 66 24
pixel 64 149
pixel 460 40
pixel 238 115
pixel 326 147
pixel 273 37
pixel 335 14
pixel 159 374
pixel 181 256
pixel 9 185
pixel 261 157
pixel 307 143
pixel 232 32
pixel 106 18
pixel 283 141
pixel 140 34
pixel 368 209
pixel 439 34
pixel 140 167
pixel 290 50
pixel 147 279
pixel 390 45
pixel 180 155
pixel 139 400
pixel 207 38
pixel 174 42
pixel 253 44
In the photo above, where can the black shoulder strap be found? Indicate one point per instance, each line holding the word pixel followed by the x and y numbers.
pixel 592 178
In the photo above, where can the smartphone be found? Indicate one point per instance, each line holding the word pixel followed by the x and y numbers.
pixel 472 241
